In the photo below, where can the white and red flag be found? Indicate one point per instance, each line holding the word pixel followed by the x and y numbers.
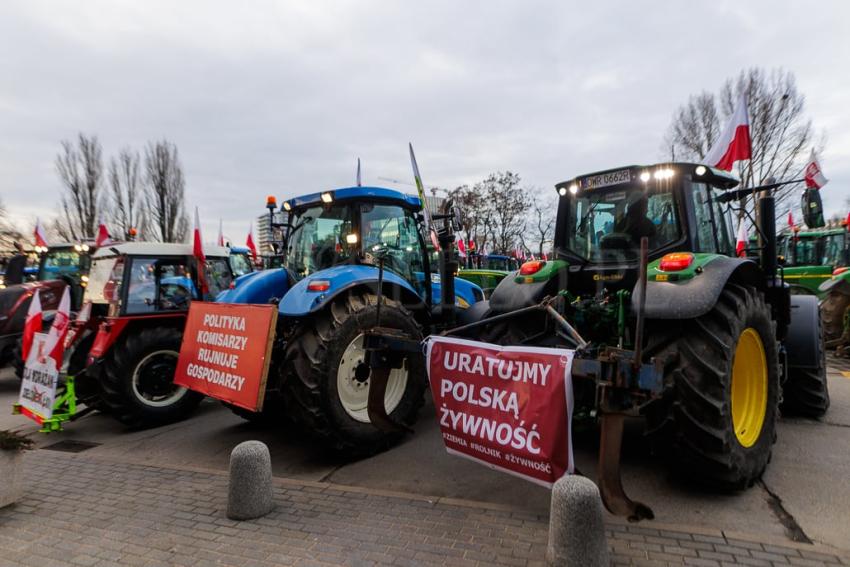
pixel 198 252
pixel 813 173
pixel 55 345
pixel 249 242
pixel 102 235
pixel 461 246
pixel 741 244
pixel 220 240
pixel 734 143
pixel 32 325
pixel 38 234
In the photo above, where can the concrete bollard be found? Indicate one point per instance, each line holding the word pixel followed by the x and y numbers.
pixel 576 526
pixel 250 494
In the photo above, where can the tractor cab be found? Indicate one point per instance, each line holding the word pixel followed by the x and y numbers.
pixel 603 216
pixel 70 263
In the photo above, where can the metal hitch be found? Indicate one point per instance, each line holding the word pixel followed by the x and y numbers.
pixel 610 482
pixel 385 349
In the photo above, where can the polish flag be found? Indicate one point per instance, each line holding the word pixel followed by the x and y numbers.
pixel 734 143
pixel 814 176
pixel 461 247
pixel 741 244
pixel 55 344
pixel 38 233
pixel 198 252
pixel 102 235
pixel 220 241
pixel 32 325
pixel 250 243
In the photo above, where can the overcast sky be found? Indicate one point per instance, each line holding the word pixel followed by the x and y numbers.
pixel 282 97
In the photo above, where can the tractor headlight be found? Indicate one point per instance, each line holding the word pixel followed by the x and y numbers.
pixel 700 170
pixel 327 197
pixel 644 176
pixel 351 238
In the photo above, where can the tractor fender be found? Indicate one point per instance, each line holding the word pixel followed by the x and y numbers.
pixel 465 291
pixel 257 287
pixel 838 283
pixel 803 341
pixel 300 301
pixel 696 296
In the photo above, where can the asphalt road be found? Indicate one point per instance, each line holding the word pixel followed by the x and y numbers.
pixel 804 494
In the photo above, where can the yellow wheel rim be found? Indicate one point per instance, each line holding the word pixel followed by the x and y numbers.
pixel 749 387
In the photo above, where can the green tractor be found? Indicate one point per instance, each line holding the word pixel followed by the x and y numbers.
pixel 488 271
pixel 811 257
pixel 644 259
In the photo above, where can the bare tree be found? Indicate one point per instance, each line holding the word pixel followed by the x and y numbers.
pixel 126 187
pixel 508 204
pixel 781 133
pixel 165 193
pixel 9 234
pixel 544 206
pixel 476 216
pixel 80 169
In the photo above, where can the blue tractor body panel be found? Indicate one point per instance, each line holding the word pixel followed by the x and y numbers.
pixel 257 287
pixel 360 193
pixel 300 301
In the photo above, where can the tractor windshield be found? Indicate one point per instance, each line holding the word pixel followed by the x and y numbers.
pixel 606 225
pixel 320 239
pixel 393 228
pixel 58 262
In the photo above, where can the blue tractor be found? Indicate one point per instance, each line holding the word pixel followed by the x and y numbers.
pixel 353 259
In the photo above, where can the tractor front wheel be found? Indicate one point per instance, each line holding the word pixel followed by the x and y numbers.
pixel 138 379
pixel 327 386
pixel 718 414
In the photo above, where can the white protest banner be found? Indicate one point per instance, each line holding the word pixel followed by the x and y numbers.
pixel 509 408
pixel 38 385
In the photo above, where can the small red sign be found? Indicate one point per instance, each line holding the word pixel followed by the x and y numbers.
pixel 226 351
pixel 509 408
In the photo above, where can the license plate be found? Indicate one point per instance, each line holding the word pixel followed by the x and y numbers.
pixel 606 179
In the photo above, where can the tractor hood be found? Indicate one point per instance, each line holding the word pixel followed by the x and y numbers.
pixel 257 287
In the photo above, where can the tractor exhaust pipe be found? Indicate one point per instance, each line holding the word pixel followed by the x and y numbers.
pixel 767 234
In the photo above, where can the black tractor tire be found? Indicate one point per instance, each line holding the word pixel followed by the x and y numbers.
pixel 833 309
pixel 693 421
pixel 806 390
pixel 139 367
pixel 311 388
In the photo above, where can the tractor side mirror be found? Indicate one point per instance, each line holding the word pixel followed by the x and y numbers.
pixel 812 206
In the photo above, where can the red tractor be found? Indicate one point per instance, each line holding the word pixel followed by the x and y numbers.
pixel 139 294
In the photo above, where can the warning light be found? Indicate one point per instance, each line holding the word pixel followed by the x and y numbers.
pixel 676 261
pixel 319 285
pixel 531 267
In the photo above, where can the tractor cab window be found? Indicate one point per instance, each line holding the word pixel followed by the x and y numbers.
pixel 806 252
pixel 320 239
pixel 158 285
pixel 394 228
pixel 713 223
pixel 61 262
pixel 219 276
pixel 833 253
pixel 240 264
pixel 607 224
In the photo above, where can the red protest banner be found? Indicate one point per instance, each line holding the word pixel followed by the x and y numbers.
pixel 226 351
pixel 509 408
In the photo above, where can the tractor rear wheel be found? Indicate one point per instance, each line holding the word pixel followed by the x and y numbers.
pixel 327 385
pixel 138 379
pixel 806 391
pixel 719 409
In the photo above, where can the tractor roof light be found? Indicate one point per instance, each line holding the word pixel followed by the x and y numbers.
pixel 573 189
pixel 351 238
pixel 532 267
pixel 663 173
pixel 839 271
pixel 85 247
pixel 327 197
pixel 319 285
pixel 644 176
pixel 271 202
pixel 700 170
pixel 562 191
pixel 286 206
pixel 676 261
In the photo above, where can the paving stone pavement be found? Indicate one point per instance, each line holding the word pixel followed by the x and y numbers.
pixel 84 511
